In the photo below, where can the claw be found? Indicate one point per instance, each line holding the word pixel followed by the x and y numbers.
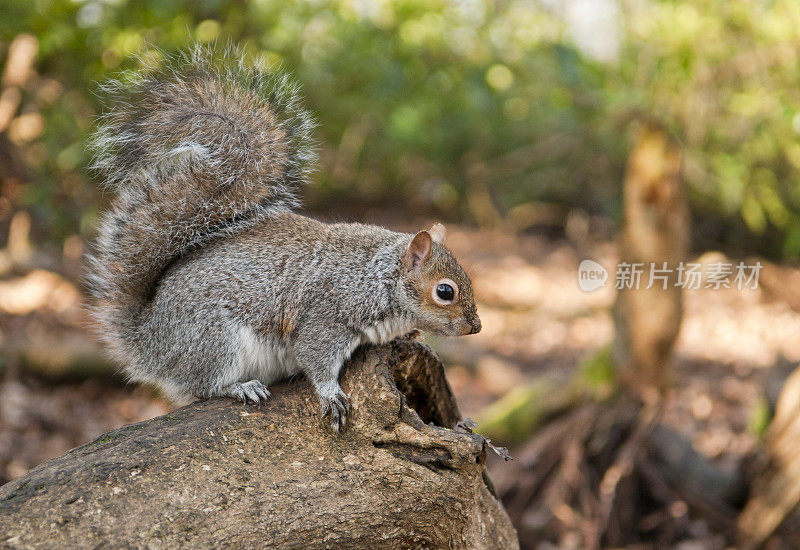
pixel 338 407
pixel 263 393
pixel 253 391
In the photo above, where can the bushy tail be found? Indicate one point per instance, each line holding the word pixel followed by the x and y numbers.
pixel 196 146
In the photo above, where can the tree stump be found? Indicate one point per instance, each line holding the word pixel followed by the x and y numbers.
pixel 220 473
pixel 775 494
pixel 655 232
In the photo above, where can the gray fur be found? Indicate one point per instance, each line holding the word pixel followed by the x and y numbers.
pixel 203 280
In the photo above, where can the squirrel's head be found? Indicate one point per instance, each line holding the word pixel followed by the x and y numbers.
pixel 435 288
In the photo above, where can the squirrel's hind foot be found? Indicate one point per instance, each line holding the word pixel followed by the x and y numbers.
pixel 253 391
pixel 337 406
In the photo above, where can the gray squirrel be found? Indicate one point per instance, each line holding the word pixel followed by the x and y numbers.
pixel 204 282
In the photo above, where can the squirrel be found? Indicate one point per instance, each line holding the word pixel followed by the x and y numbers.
pixel 204 281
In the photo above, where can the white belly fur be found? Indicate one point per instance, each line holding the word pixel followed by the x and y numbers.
pixel 386 330
pixel 264 359
pixel 270 360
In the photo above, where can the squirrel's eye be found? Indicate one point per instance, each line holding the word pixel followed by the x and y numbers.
pixel 445 292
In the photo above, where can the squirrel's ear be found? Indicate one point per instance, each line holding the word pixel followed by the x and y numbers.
pixel 418 251
pixel 438 233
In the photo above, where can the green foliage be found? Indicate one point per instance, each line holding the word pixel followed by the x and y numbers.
pixel 725 75
pixel 512 418
pixel 598 374
pixel 517 414
pixel 759 417
pixel 427 101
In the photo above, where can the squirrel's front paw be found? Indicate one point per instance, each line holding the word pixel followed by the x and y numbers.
pixel 253 391
pixel 337 406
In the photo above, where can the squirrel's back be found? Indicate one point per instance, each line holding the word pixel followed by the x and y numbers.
pixel 198 146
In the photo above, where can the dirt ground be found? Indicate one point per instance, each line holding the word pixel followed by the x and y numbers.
pixel 734 344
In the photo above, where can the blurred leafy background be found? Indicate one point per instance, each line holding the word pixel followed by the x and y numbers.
pixel 491 112
pixel 512 118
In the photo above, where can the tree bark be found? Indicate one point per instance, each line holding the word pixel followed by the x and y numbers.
pixel 220 473
pixel 775 494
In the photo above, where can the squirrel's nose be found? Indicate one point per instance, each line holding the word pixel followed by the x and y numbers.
pixel 475 326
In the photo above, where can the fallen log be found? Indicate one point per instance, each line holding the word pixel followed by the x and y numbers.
pixel 219 473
